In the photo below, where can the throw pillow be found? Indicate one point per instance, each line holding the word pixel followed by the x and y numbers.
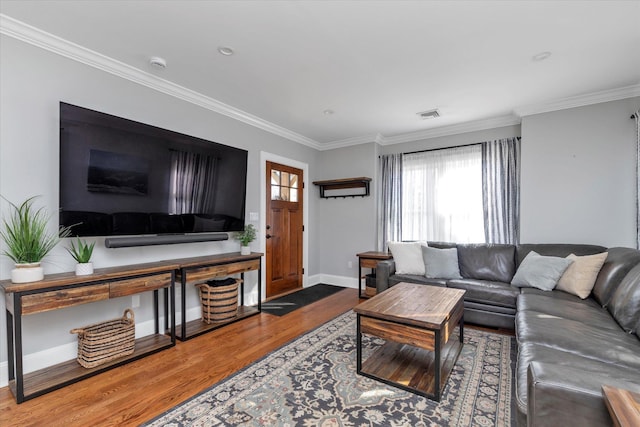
pixel 408 257
pixel 538 271
pixel 441 263
pixel 581 275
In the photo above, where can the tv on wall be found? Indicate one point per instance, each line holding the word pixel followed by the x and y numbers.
pixel 119 177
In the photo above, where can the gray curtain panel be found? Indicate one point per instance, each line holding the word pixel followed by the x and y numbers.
pixel 501 190
pixel 389 200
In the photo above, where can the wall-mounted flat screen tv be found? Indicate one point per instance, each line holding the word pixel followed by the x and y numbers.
pixel 119 177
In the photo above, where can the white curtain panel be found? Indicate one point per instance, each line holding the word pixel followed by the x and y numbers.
pixel 442 195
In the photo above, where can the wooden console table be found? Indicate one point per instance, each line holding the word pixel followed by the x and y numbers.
pixel 200 269
pixel 63 290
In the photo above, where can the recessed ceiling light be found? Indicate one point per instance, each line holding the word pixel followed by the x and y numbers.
pixel 158 63
pixel 328 112
pixel 541 56
pixel 225 50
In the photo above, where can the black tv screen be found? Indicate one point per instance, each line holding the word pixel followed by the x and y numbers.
pixel 121 177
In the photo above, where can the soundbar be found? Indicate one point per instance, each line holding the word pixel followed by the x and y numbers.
pixel 164 239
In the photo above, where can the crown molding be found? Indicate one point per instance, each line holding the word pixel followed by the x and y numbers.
pixel 580 100
pixel 494 122
pixel 356 140
pixel 36 37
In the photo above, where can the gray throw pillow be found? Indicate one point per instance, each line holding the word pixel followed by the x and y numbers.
pixel 538 271
pixel 441 263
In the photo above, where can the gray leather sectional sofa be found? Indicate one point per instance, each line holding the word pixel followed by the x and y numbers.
pixel 568 347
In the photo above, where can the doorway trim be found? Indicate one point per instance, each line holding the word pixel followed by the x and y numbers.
pixel 270 157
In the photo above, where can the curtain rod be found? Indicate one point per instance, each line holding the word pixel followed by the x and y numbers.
pixel 455 146
pixel 443 148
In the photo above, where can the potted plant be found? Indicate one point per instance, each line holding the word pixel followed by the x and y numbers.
pixel 28 241
pixel 82 254
pixel 245 237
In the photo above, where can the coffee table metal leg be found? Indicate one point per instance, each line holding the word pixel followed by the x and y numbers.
pixel 436 394
pixel 358 346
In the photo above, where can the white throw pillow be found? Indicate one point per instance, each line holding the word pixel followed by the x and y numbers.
pixel 408 257
pixel 581 275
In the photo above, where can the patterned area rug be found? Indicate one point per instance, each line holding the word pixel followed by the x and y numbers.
pixel 312 382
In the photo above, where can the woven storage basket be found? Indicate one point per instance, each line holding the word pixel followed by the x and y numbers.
pixel 219 302
pixel 105 341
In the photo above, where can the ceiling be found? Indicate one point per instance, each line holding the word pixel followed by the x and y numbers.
pixel 374 64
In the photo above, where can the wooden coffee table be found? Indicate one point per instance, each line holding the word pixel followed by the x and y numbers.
pixel 417 322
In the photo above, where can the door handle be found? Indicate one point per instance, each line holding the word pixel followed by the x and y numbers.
pixel 268 236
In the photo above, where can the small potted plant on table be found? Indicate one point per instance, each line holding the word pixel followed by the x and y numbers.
pixel 82 254
pixel 245 237
pixel 28 241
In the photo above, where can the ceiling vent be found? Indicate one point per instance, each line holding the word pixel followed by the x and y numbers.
pixel 431 114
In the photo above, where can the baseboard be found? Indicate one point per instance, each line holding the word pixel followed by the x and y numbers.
pixel 344 281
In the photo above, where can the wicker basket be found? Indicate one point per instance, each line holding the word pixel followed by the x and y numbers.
pixel 105 341
pixel 219 302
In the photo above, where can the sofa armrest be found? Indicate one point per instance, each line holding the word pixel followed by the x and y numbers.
pixel 384 270
pixel 553 389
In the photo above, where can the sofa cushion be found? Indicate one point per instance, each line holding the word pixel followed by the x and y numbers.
pixel 560 380
pixel 486 291
pixel 487 262
pixel 556 249
pixel 414 278
pixel 441 263
pixel 581 275
pixel 538 271
pixel 587 311
pixel 408 257
pixel 619 262
pixel 602 342
pixel 625 303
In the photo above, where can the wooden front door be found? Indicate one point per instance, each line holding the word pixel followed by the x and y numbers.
pixel 283 228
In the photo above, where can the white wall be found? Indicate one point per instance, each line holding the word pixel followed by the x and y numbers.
pixel 578 175
pixel 32 83
pixel 347 226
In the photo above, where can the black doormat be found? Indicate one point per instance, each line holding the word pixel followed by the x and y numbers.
pixel 288 303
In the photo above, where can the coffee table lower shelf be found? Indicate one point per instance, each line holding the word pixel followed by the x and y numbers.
pixel 411 368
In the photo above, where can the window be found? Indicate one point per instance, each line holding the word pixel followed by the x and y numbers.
pixel 442 195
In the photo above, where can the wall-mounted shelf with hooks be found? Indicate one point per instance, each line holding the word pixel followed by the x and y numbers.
pixel 334 188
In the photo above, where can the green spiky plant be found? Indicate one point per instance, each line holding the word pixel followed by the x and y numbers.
pixel 247 236
pixel 25 233
pixel 81 253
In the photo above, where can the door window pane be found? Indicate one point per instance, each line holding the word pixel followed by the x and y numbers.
pixel 275 177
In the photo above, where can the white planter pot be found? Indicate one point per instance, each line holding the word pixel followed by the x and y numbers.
pixel 245 250
pixel 25 273
pixel 83 269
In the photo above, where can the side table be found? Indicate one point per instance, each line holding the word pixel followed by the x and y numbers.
pixel 369 260
pixel 623 406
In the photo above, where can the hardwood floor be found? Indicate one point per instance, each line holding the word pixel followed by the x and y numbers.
pixel 137 392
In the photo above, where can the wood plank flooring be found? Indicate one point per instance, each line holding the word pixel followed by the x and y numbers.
pixel 137 392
